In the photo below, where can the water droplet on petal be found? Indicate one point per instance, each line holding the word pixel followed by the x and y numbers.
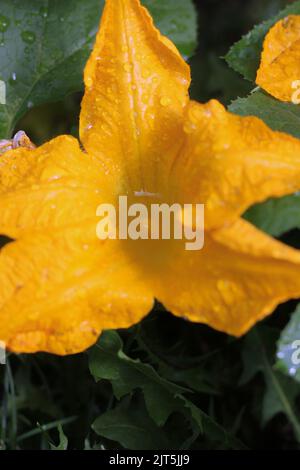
pixel 165 101
pixel 145 73
pixel 81 293
pixel 188 128
pixel 127 67
pixel 54 178
pixel 89 82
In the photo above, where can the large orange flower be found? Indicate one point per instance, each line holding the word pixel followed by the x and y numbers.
pixel 59 284
pixel 279 71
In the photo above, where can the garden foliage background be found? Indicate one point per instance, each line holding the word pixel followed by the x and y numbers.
pixel 164 383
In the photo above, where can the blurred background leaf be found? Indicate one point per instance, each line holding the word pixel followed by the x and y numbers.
pixel 288 347
pixel 177 20
pixel 280 391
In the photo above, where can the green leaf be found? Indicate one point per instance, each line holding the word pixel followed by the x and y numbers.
pixel 44 47
pixel 131 428
pixel 177 20
pixel 195 378
pixel 288 347
pixel 244 56
pixel 283 117
pixel 162 397
pixel 280 393
pixel 275 216
pixel 108 361
pixel 63 440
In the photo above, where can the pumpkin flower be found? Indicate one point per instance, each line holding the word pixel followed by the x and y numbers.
pixel 141 136
pixel 279 71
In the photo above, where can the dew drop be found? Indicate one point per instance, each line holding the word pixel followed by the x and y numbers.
pixel 127 67
pixel 54 178
pixel 217 308
pixel 43 12
pixel 145 73
pixel 165 101
pixel 222 286
pixel 28 36
pixel 81 293
pixel 187 128
pixel 4 23
pixel 89 82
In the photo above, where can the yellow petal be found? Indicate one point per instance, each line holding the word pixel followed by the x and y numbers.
pixel 231 162
pixel 239 277
pixel 136 90
pixel 52 186
pixel 58 292
pixel 279 70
